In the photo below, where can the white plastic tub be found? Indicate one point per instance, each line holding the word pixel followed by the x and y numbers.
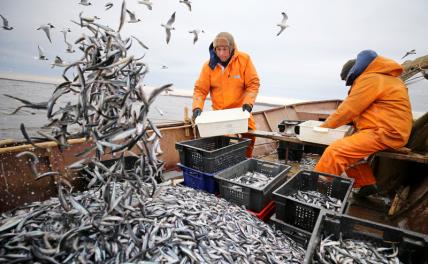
pixel 222 122
pixel 310 131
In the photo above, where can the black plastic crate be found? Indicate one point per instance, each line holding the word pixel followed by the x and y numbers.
pixel 304 215
pixel 254 199
pixel 300 236
pixel 412 246
pixel 212 154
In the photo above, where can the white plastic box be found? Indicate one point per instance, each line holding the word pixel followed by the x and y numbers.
pixel 222 122
pixel 310 131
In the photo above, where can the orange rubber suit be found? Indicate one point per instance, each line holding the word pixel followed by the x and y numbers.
pixel 379 106
pixel 230 87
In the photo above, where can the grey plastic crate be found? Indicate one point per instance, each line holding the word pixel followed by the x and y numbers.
pixel 300 236
pixel 213 154
pixel 254 199
pixel 305 215
pixel 412 246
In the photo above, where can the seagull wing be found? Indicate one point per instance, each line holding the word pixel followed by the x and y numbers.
pixel 58 60
pixel 69 47
pixel 284 18
pixel 171 19
pixel 47 32
pixel 168 35
pixel 195 35
pixel 188 5
pixel 108 5
pixel 131 14
pixel 5 22
pixel 41 53
pixel 280 31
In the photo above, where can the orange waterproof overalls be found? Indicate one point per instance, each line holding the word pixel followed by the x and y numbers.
pixel 379 106
pixel 230 87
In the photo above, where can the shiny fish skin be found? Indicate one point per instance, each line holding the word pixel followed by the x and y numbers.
pixel 318 199
pixel 353 251
pixel 209 230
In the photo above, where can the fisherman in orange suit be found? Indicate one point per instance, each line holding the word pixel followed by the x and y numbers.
pixel 379 107
pixel 231 79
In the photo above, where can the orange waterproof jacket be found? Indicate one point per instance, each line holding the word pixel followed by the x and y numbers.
pixel 377 100
pixel 229 87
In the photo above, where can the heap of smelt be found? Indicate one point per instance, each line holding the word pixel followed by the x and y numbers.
pixel 130 217
pixel 318 199
pixel 177 225
pixel 253 179
pixel 354 251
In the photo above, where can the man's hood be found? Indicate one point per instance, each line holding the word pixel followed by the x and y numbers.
pixel 369 62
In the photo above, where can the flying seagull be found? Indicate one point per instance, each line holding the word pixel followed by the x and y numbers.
pixel 46 28
pixel 283 24
pixel 147 3
pixel 195 33
pixel 42 55
pixel 85 2
pixel 108 5
pixel 65 31
pixel 58 62
pixel 168 27
pixel 413 51
pixel 187 3
pixel 132 17
pixel 6 23
pixel 69 48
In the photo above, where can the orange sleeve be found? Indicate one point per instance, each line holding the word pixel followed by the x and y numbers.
pixel 362 94
pixel 252 83
pixel 202 88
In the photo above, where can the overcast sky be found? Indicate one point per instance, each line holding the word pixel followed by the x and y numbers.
pixel 303 62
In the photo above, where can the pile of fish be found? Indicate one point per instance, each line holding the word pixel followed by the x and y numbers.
pixel 127 214
pixel 354 251
pixel 177 225
pixel 253 179
pixel 318 199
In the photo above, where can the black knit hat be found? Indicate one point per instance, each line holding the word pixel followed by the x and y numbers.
pixel 346 68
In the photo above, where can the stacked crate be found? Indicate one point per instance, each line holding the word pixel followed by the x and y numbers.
pixel 202 158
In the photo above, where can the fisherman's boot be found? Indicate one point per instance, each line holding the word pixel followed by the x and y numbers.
pixel 366 191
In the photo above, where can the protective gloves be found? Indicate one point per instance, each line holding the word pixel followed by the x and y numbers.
pixel 196 112
pixel 247 107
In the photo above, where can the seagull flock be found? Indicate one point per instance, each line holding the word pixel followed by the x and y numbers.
pixel 168 26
